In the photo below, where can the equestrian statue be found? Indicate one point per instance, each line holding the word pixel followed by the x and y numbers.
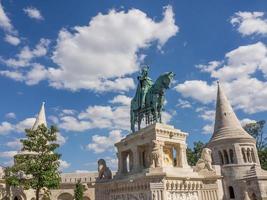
pixel 149 98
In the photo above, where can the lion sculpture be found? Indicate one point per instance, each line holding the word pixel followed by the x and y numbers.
pixel 104 172
pixel 205 161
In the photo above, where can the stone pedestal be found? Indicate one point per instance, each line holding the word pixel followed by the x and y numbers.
pixel 153 166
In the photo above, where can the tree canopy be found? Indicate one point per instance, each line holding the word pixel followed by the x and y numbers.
pixel 78 192
pixel 194 154
pixel 257 131
pixel 37 165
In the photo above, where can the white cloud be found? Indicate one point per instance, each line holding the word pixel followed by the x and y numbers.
pixel 26 55
pixel 14 144
pixel 197 89
pixel 11 34
pixel 237 77
pixel 24 124
pixel 249 23
pixel 5 22
pixel 94 57
pixel 7 154
pixel 208 115
pixel 166 117
pixel 208 129
pixel 5 128
pixel 183 104
pixel 101 144
pixel 121 99
pixel 68 112
pixel 70 123
pixel 211 66
pixel 246 121
pixel 53 119
pixel 64 164
pixel 61 140
pixel 110 117
pixel 10 115
pixel 33 13
pixel 242 62
pixel 15 75
pixel 11 39
pixel 36 74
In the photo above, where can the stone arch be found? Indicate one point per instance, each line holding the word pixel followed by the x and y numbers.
pixel 19 195
pixel 231 153
pixel 127 158
pixel 221 157
pixel 231 192
pixel 253 196
pixel 249 155
pixel 244 155
pixel 225 156
pixel 253 155
pixel 65 196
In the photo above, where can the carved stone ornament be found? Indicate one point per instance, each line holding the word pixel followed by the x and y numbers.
pixel 205 161
pixel 104 172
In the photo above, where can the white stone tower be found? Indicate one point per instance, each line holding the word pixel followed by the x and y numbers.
pixel 234 149
pixel 40 119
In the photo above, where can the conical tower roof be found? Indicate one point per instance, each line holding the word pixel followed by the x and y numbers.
pixel 40 119
pixel 227 125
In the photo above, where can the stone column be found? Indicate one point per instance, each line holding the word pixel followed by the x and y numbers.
pixel 120 163
pixel 182 155
pixel 136 163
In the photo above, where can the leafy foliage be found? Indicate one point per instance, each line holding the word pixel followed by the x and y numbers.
pixel 194 154
pixel 78 192
pixel 256 130
pixel 37 166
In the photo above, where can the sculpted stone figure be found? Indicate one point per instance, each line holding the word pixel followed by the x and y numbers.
pixel 155 156
pixel 104 172
pixel 205 161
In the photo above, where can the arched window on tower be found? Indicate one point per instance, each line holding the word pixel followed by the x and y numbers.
pixel 221 157
pixel 225 156
pixel 249 155
pixel 253 156
pixel 244 155
pixel 231 152
pixel 231 192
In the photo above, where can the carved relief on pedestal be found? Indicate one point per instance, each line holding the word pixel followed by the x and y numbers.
pixel 173 195
pixel 156 154
pixel 131 196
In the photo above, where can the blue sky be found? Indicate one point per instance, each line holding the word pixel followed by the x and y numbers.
pixel 82 58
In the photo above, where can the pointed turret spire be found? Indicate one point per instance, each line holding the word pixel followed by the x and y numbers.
pixel 227 124
pixel 40 119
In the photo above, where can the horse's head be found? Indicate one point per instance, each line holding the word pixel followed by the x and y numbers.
pixel 166 79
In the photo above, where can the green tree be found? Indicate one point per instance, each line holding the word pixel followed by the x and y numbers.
pixel 78 192
pixel 37 166
pixel 194 154
pixel 256 130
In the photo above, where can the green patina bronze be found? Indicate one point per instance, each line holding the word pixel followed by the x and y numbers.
pixel 149 98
